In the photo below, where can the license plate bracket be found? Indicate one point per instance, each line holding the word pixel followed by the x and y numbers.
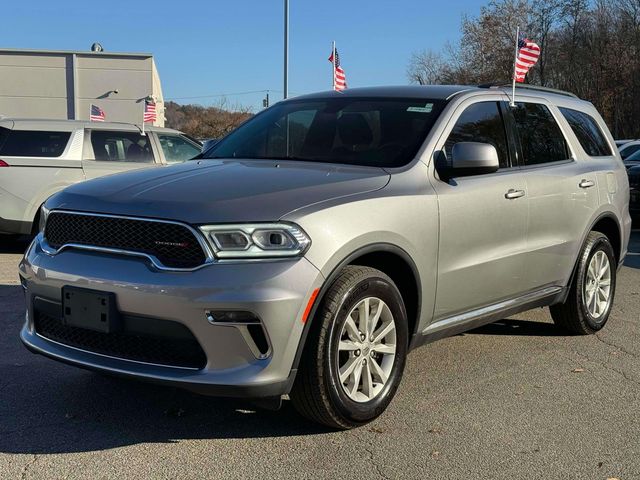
pixel 90 309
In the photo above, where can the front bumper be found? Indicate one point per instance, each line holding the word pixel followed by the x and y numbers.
pixel 275 291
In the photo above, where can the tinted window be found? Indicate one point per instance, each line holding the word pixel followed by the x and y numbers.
pixel 28 143
pixel 121 146
pixel 481 122
pixel 589 134
pixel 635 157
pixel 630 150
pixel 177 149
pixel 361 131
pixel 540 136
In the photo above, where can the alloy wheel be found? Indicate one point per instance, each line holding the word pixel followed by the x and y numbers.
pixel 367 349
pixel 597 287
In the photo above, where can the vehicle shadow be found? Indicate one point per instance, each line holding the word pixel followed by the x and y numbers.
pixel 633 254
pixel 519 328
pixel 13 244
pixel 48 407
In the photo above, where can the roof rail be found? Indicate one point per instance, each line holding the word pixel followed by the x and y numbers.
pixel 528 86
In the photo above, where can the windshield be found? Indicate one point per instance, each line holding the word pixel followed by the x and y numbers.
pixel 381 132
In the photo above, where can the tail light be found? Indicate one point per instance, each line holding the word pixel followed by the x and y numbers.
pixel 3 163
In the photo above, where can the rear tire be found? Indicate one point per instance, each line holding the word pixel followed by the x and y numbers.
pixel 588 305
pixel 355 354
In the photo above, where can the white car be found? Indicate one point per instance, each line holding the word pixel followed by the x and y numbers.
pixel 41 157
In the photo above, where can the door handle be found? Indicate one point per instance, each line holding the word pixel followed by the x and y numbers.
pixel 512 194
pixel 584 183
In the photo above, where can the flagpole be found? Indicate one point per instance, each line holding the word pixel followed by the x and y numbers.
pixel 333 63
pixel 144 107
pixel 286 50
pixel 515 59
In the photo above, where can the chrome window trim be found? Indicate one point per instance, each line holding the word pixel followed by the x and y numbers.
pixel 49 250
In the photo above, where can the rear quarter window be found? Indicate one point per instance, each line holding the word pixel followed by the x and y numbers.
pixel 33 143
pixel 588 133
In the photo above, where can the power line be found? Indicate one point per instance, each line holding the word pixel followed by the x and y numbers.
pixel 224 94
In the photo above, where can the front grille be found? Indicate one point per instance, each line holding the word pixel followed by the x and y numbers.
pixel 174 245
pixel 183 351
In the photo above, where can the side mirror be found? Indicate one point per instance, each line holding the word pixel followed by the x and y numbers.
pixel 473 158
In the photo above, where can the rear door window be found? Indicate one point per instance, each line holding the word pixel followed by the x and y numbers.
pixel 541 139
pixel 589 134
pixel 177 149
pixel 33 143
pixel 481 122
pixel 121 147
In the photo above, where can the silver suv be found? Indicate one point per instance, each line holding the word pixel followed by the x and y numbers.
pixel 321 241
pixel 41 157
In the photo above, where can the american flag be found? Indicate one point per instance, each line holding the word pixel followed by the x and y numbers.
pixel 339 78
pixel 96 114
pixel 149 111
pixel 528 54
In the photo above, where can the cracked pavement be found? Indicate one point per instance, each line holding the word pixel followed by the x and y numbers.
pixel 516 399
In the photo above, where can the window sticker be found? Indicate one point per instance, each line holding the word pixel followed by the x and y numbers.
pixel 426 109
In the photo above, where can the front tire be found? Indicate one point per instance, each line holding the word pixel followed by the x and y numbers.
pixel 588 305
pixel 355 354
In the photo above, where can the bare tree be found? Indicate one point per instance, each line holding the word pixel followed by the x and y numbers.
pixel 206 122
pixel 426 68
pixel 588 47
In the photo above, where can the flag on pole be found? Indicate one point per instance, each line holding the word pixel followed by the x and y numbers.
pixel 339 77
pixel 149 111
pixel 96 114
pixel 527 56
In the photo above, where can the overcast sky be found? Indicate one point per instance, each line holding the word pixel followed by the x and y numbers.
pixel 215 47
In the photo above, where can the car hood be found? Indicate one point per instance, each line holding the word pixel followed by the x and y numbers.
pixel 219 191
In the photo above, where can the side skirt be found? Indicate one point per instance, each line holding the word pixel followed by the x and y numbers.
pixel 489 314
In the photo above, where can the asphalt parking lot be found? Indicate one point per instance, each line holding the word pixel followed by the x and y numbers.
pixel 516 399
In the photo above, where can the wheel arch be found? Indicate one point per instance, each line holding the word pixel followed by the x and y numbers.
pixel 607 224
pixel 375 255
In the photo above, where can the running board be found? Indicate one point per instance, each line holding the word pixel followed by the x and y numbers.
pixel 485 315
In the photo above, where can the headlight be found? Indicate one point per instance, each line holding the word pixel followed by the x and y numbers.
pixel 256 240
pixel 42 221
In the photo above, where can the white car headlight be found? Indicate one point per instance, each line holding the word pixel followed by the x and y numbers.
pixel 259 240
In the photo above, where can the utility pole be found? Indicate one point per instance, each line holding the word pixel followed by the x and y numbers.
pixel 286 48
pixel 265 101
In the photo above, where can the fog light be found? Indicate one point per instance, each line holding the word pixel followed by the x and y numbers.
pixel 249 327
pixel 231 317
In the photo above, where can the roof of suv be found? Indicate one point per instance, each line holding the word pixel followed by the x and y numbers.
pixel 437 92
pixel 71 125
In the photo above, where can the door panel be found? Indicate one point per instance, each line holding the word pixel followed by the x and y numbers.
pixel 483 218
pixel 562 193
pixel 482 241
pixel 559 212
